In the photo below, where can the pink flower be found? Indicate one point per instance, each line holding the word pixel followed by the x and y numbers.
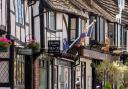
pixel 4 40
pixel 31 41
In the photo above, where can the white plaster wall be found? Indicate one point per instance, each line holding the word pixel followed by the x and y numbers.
pixel 106 28
pixel 36 21
pixel 60 25
pixel 28 21
pixel 64 26
pixel 12 17
pixel 17 31
pixel 59 20
pixel 3 14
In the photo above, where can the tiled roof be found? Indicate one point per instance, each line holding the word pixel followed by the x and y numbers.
pixel 66 6
pixel 111 6
pixel 102 12
pixel 79 7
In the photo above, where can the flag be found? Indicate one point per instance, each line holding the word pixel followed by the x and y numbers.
pixel 65 44
pixel 90 31
pixel 84 37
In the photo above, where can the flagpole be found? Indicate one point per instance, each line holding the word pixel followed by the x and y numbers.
pixel 79 36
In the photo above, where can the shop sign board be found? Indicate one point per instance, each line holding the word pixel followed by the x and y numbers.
pixel 54 46
pixel 24 51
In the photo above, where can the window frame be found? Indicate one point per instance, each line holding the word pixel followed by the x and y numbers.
pixel 76 29
pixel 49 20
pixel 20 18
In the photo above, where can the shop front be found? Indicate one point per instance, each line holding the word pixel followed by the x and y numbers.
pixel 52 73
pixel 62 74
pixel 83 73
pixel 85 70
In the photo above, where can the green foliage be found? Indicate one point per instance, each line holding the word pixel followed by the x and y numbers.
pixel 113 71
pixel 106 70
pixel 121 87
pixel 33 45
pixel 107 86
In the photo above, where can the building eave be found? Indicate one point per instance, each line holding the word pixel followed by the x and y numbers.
pixel 61 6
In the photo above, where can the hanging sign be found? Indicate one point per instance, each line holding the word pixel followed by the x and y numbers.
pixel 54 46
pixel 24 51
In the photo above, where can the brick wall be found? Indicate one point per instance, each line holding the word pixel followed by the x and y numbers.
pixel 36 75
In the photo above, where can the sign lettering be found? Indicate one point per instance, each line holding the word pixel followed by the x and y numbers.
pixel 54 46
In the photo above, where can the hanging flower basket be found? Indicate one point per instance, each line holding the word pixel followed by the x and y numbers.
pixel 3 49
pixel 4 44
pixel 33 45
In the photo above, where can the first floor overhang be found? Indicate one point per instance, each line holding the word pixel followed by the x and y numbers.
pixel 98 55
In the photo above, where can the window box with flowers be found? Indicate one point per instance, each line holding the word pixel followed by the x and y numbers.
pixel 33 45
pixel 4 44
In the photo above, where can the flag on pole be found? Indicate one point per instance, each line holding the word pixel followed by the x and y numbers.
pixel 84 37
pixel 65 45
pixel 80 40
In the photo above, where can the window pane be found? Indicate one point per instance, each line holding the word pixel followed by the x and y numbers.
pixel 73 33
pixel 73 23
pixel 98 29
pixel 52 20
pixel 101 31
pixel 111 34
pixel 73 29
pixel 19 12
pixel 93 31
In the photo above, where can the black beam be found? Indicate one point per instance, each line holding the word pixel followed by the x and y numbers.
pixel 11 66
pixel 42 29
pixel 32 22
pixel 8 19
pixel 28 72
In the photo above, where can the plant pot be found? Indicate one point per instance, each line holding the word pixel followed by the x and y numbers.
pixel 3 49
pixel 36 50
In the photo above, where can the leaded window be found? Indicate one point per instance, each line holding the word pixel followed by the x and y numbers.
pixel 19 12
pixel 19 71
pixel 51 20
